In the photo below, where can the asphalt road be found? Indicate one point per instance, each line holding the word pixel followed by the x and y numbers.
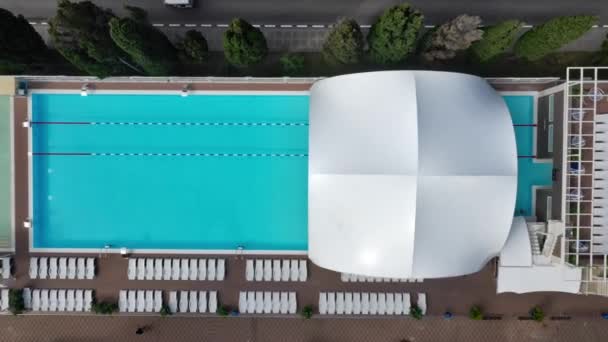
pixel 326 11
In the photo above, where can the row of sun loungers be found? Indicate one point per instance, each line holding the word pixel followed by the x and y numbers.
pixel 267 302
pixel 357 303
pixel 176 269
pixel 275 270
pixel 58 299
pixel 140 300
pixel 4 300
pixel 352 278
pixel 6 267
pixel 62 268
pixel 193 301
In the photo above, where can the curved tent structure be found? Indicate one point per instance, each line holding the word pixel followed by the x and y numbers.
pixel 411 174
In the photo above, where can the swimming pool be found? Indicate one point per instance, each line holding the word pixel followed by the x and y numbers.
pixel 170 172
pixel 208 172
pixel 529 173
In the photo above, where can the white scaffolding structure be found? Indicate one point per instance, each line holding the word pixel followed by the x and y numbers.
pixel 585 176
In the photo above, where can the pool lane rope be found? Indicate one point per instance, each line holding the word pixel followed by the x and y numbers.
pixel 244 124
pixel 280 155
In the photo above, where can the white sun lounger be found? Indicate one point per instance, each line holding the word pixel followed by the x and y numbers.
pixel 422 302
pixel 250 302
pixel 303 275
pixel 158 269
pixel 141 301
pixel 78 298
pixel 88 300
pixel 61 304
pixel 259 270
pixel 6 267
pixel 356 303
pixel 70 300
pixel 348 303
pixel 183 301
pixel 267 302
pixel 211 271
pixel 202 269
pixel 373 303
pixel 158 300
pixel 167 269
pixel 176 271
pixel 398 304
pixel 285 270
pixel 381 303
pixel 193 269
pixel 44 300
pixel 173 301
pixel 27 298
pixel 71 268
pixel 52 300
pixel 339 303
pixel 185 270
pixel 149 269
pixel 365 303
pixel 63 268
pixel 284 303
pixel 202 301
pixel 323 303
pixel 406 304
pixel 345 277
pixel 267 270
pixel 212 301
pixel 331 303
pixel 276 270
pixel 259 302
pixel 149 301
pixel 293 303
pixel 36 300
pixel 221 270
pixel 276 302
pixel 295 271
pixel 33 268
pixel 42 269
pixel 132 269
pixel 122 301
pixel 193 305
pixel 4 304
pixel 53 268
pixel 80 268
pixel 249 270
pixel 242 302
pixel 131 301
pixel 90 268
pixel 141 269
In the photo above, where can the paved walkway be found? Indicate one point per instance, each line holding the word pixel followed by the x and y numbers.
pixel 5 173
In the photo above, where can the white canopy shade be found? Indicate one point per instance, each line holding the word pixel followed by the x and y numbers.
pixel 411 174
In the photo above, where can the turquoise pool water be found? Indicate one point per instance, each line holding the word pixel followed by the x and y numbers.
pixel 200 172
pixel 529 173
pixel 255 195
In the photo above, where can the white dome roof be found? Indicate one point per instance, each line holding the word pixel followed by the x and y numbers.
pixel 411 174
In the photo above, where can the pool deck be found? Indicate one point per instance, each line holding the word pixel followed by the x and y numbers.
pixel 454 294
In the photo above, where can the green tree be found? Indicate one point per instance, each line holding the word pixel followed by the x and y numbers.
pixel 20 44
pixel 393 37
pixel 475 313
pixel 80 32
pixel 244 45
pixel 147 46
pixel 537 314
pixel 194 47
pixel 15 301
pixel 292 63
pixel 496 40
pixel 550 36
pixel 344 44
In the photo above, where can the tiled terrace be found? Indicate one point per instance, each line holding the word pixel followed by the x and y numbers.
pixel 454 294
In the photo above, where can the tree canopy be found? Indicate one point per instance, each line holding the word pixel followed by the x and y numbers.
pixel 147 46
pixel 550 36
pixel 194 47
pixel 393 37
pixel 80 32
pixel 496 40
pixel 344 44
pixel 455 35
pixel 20 44
pixel 244 45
